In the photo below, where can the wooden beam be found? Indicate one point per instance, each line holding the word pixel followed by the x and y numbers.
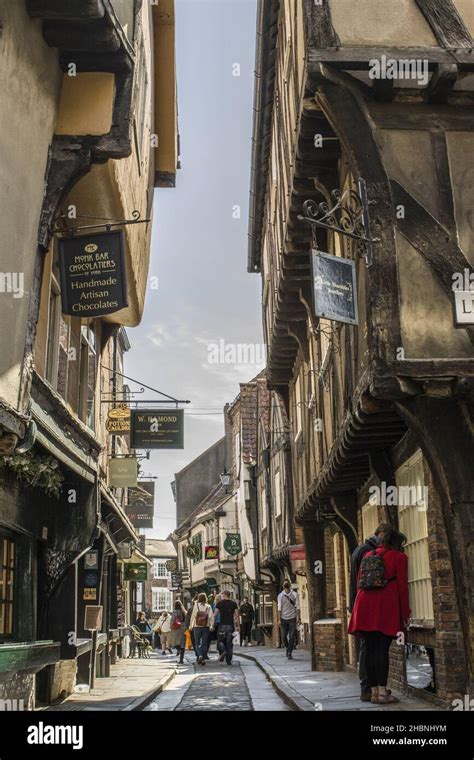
pixel 318 27
pixel 357 58
pixel 421 116
pixel 433 241
pixel 446 23
pixel 441 83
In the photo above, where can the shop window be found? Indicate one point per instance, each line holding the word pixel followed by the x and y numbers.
pixel 370 519
pixel 412 519
pixel 266 609
pixel 7 586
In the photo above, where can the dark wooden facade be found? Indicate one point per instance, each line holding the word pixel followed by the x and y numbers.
pixel 362 399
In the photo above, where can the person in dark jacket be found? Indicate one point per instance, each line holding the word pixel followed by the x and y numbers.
pixel 247 614
pixel 369 544
pixel 381 609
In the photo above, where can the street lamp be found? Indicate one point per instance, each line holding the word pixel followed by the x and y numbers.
pixel 225 478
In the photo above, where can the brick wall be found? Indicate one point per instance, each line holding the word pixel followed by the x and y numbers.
pixel 328 645
pixel 450 665
pixel 330 572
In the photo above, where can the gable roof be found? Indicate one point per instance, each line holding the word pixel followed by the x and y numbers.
pixel 155 547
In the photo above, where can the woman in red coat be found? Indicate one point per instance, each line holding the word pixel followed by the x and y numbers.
pixel 381 614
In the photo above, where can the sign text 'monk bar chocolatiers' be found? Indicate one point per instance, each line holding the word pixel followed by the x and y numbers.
pixel 93 276
pixel 152 429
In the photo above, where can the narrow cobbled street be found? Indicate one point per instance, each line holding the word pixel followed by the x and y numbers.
pixel 240 687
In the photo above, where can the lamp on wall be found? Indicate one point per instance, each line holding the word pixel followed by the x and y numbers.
pixel 225 478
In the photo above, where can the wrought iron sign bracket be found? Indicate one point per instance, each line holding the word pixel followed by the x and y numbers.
pixel 348 215
pixel 101 222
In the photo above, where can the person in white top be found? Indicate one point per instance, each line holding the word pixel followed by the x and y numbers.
pixel 202 619
pixel 163 627
pixel 288 617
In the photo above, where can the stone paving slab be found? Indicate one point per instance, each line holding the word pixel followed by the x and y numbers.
pixel 131 685
pixel 217 687
pixel 306 690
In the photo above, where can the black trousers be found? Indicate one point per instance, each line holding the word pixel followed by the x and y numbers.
pixel 245 632
pixel 377 646
pixel 288 634
pixel 363 677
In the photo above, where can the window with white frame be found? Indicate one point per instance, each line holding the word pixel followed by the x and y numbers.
pixel 412 519
pixel 161 599
pixel 277 494
pixel 159 568
pixel 263 508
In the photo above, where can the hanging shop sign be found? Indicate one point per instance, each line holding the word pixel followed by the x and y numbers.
pixel 93 274
pixel 334 287
pixel 93 617
pixel 464 307
pixel 171 565
pixel 233 543
pixel 118 420
pixel 136 571
pixel 152 429
pixel 141 504
pixel 193 551
pixel 91 560
pixel 211 552
pixel 123 472
pixel 90 594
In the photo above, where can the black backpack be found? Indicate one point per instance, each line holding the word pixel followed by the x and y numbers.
pixel 372 572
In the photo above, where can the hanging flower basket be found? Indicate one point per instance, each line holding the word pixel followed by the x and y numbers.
pixel 35 471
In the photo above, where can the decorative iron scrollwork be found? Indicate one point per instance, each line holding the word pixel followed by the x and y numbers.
pixel 347 215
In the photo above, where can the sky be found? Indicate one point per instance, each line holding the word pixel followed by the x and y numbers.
pixel 199 245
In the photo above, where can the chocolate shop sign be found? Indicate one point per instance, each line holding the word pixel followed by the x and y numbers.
pixel 93 276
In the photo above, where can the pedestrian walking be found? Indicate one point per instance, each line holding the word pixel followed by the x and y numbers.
pixel 228 612
pixel 163 627
pixel 288 617
pixel 177 636
pixel 201 621
pixel 381 609
pixel 247 614
pixel 369 545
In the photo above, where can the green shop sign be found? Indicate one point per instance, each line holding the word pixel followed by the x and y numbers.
pixel 233 543
pixel 136 571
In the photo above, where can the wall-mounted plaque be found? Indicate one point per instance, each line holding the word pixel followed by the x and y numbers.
pixel 93 274
pixel 334 287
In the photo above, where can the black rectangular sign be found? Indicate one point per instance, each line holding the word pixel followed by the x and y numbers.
pixel 141 504
pixel 334 287
pixel 93 274
pixel 152 429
